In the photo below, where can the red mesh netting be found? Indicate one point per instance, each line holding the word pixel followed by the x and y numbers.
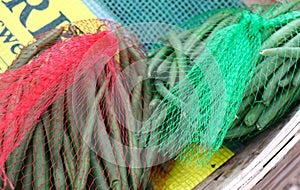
pixel 73 103
pixel 28 91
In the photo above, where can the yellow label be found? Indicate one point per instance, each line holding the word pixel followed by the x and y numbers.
pixel 186 175
pixel 23 20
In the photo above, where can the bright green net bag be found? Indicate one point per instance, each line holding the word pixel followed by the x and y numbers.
pixel 219 80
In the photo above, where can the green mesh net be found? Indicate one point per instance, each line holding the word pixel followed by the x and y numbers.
pixel 168 13
pixel 230 77
pixel 128 12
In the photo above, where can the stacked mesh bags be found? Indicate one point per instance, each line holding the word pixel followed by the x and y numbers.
pixel 86 107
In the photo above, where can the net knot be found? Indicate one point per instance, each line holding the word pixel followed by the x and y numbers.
pixel 255 22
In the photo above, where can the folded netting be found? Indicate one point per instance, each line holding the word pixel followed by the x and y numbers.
pixel 204 75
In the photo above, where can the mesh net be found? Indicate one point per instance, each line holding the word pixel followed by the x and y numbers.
pixel 62 125
pixel 86 107
pixel 154 13
pixel 229 77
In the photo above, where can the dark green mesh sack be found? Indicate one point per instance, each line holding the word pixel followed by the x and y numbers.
pixel 151 19
pixel 230 77
pixel 173 12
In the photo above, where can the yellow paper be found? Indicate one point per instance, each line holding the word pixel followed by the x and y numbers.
pixel 21 21
pixel 186 175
